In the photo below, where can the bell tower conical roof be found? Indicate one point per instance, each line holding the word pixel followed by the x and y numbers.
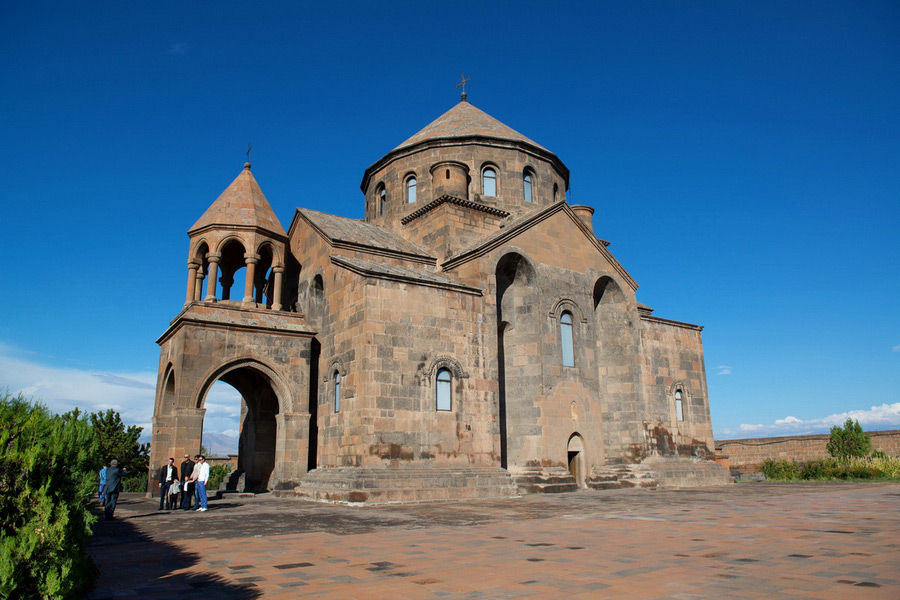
pixel 242 204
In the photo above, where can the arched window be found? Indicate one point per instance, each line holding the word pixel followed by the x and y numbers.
pixel 679 406
pixel 411 190
pixel 442 388
pixel 567 339
pixel 337 391
pixel 527 181
pixel 382 199
pixel 489 182
pixel 555 192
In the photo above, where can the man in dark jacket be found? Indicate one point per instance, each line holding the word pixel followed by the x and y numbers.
pixel 167 474
pixel 114 476
pixel 187 469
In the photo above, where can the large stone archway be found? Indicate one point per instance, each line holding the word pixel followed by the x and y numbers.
pixel 206 344
pixel 258 427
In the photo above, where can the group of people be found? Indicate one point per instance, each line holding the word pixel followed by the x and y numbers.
pixel 194 475
pixel 192 484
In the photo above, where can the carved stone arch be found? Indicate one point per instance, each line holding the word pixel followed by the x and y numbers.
pixel 280 389
pixel 576 459
pixel 276 250
pixel 686 397
pixel 444 362
pixel 497 185
pixel 231 237
pixel 335 365
pixel 196 246
pixel 564 303
pixel 167 400
pixel 680 385
pixel 608 289
pixel 506 253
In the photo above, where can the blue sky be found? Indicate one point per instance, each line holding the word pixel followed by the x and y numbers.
pixel 743 158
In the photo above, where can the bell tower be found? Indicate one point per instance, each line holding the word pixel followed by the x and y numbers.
pixel 237 327
pixel 238 230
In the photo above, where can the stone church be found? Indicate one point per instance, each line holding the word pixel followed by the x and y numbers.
pixel 471 336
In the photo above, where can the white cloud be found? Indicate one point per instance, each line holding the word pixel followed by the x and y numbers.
pixel 724 370
pixel 886 416
pixel 62 389
pixel 895 349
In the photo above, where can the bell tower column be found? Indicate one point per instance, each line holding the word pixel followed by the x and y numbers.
pixel 213 258
pixel 193 266
pixel 251 260
pixel 276 298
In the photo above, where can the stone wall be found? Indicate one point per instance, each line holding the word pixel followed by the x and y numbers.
pixel 747 455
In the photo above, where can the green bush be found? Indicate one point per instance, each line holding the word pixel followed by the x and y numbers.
pixel 829 469
pixel 47 478
pixel 216 475
pixel 849 441
pixel 138 483
pixel 780 469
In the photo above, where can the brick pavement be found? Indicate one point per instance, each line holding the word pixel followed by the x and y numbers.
pixel 744 541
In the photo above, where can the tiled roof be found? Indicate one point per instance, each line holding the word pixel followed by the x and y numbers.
pixel 242 203
pixel 464 120
pixel 395 273
pixel 356 232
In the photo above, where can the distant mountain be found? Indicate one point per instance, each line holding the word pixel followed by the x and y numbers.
pixel 219 444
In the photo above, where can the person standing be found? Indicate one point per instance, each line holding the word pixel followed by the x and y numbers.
pixel 187 471
pixel 102 484
pixel 201 476
pixel 114 476
pixel 167 474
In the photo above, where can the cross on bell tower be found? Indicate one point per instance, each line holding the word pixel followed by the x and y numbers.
pixel 462 96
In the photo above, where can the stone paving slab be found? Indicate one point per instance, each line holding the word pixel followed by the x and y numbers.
pixel 756 540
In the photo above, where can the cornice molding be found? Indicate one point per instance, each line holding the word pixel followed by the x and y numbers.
pixel 447 199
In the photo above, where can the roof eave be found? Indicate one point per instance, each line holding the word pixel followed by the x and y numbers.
pixel 461 141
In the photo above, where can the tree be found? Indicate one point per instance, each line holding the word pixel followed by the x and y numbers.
pixel 47 477
pixel 849 441
pixel 114 440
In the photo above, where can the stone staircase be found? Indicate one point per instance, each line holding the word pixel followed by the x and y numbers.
pixel 545 482
pixel 622 476
pixel 234 486
pixel 402 484
pixel 680 472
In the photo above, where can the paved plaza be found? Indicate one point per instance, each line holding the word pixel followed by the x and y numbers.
pixel 749 540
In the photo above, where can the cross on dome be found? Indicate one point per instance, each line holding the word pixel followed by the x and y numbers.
pixel 462 96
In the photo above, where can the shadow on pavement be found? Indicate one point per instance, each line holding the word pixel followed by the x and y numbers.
pixel 133 564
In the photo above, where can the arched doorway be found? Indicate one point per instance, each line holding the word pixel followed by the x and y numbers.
pixel 576 460
pixel 258 427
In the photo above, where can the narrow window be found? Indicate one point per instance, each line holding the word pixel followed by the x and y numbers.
pixel 679 408
pixel 337 391
pixel 489 182
pixel 442 387
pixel 447 174
pixel 411 190
pixel 568 341
pixel 555 192
pixel 382 200
pixel 526 178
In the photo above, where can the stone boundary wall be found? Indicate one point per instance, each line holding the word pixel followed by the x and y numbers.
pixel 747 455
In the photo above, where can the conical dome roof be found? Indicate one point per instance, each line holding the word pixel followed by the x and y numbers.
pixel 242 203
pixel 465 120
